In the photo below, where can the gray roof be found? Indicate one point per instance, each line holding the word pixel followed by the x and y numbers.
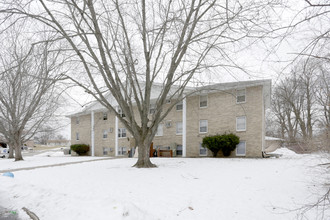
pixel 157 87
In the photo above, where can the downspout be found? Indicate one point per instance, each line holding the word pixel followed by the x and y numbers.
pixel 116 134
pixel 92 134
pixel 263 123
pixel 184 127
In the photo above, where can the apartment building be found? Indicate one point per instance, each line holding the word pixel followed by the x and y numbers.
pixel 237 107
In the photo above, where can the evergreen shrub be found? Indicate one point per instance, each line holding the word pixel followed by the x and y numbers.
pixel 80 149
pixel 225 142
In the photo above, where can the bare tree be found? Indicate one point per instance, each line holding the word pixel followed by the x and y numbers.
pixel 126 47
pixel 301 100
pixel 283 105
pixel 323 99
pixel 45 134
pixel 27 97
pixel 302 96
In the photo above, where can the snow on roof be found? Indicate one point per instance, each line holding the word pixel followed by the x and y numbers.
pixel 267 138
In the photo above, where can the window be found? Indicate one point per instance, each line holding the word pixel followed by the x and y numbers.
pixel 106 150
pixel 105 134
pixel 122 151
pixel 203 101
pixel 240 96
pixel 77 120
pixel 159 131
pixel 202 150
pixel 120 112
pixel 241 123
pixel 179 106
pixel 77 136
pixel 121 132
pixel 105 116
pixel 179 128
pixel 241 148
pixel 179 150
pixel 203 126
pixel 152 109
pixel 168 101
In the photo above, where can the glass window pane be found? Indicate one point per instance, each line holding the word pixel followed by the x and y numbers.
pixel 152 109
pixel 203 126
pixel 202 150
pixel 241 123
pixel 203 101
pixel 241 149
pixel 105 133
pixel 105 151
pixel 179 127
pixel 240 95
pixel 159 131
pixel 179 150
pixel 179 106
pixel 121 132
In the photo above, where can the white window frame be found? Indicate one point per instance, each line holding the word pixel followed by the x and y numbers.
pixel 179 104
pixel 121 151
pixel 238 118
pixel 121 132
pixel 77 136
pixel 240 95
pixel 120 112
pixel 241 142
pixel 159 131
pixel 105 116
pixel 152 109
pixel 107 150
pixel 202 148
pixel 176 150
pixel 105 134
pixel 200 101
pixel 176 128
pixel 200 122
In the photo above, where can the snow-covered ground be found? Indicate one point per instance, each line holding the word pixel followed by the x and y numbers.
pixel 54 156
pixel 180 188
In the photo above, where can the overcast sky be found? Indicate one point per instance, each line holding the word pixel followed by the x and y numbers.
pixel 266 59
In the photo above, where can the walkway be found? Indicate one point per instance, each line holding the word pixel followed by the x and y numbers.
pixel 55 165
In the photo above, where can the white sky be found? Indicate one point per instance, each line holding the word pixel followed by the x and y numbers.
pixel 267 59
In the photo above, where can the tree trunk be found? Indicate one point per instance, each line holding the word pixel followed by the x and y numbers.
pixel 144 157
pixel 11 151
pixel 18 151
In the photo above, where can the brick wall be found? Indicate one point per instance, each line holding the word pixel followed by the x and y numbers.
pixel 221 113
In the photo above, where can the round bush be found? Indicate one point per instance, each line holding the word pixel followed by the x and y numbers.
pixel 225 142
pixel 228 143
pixel 80 149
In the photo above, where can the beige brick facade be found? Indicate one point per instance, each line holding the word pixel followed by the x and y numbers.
pixel 221 113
